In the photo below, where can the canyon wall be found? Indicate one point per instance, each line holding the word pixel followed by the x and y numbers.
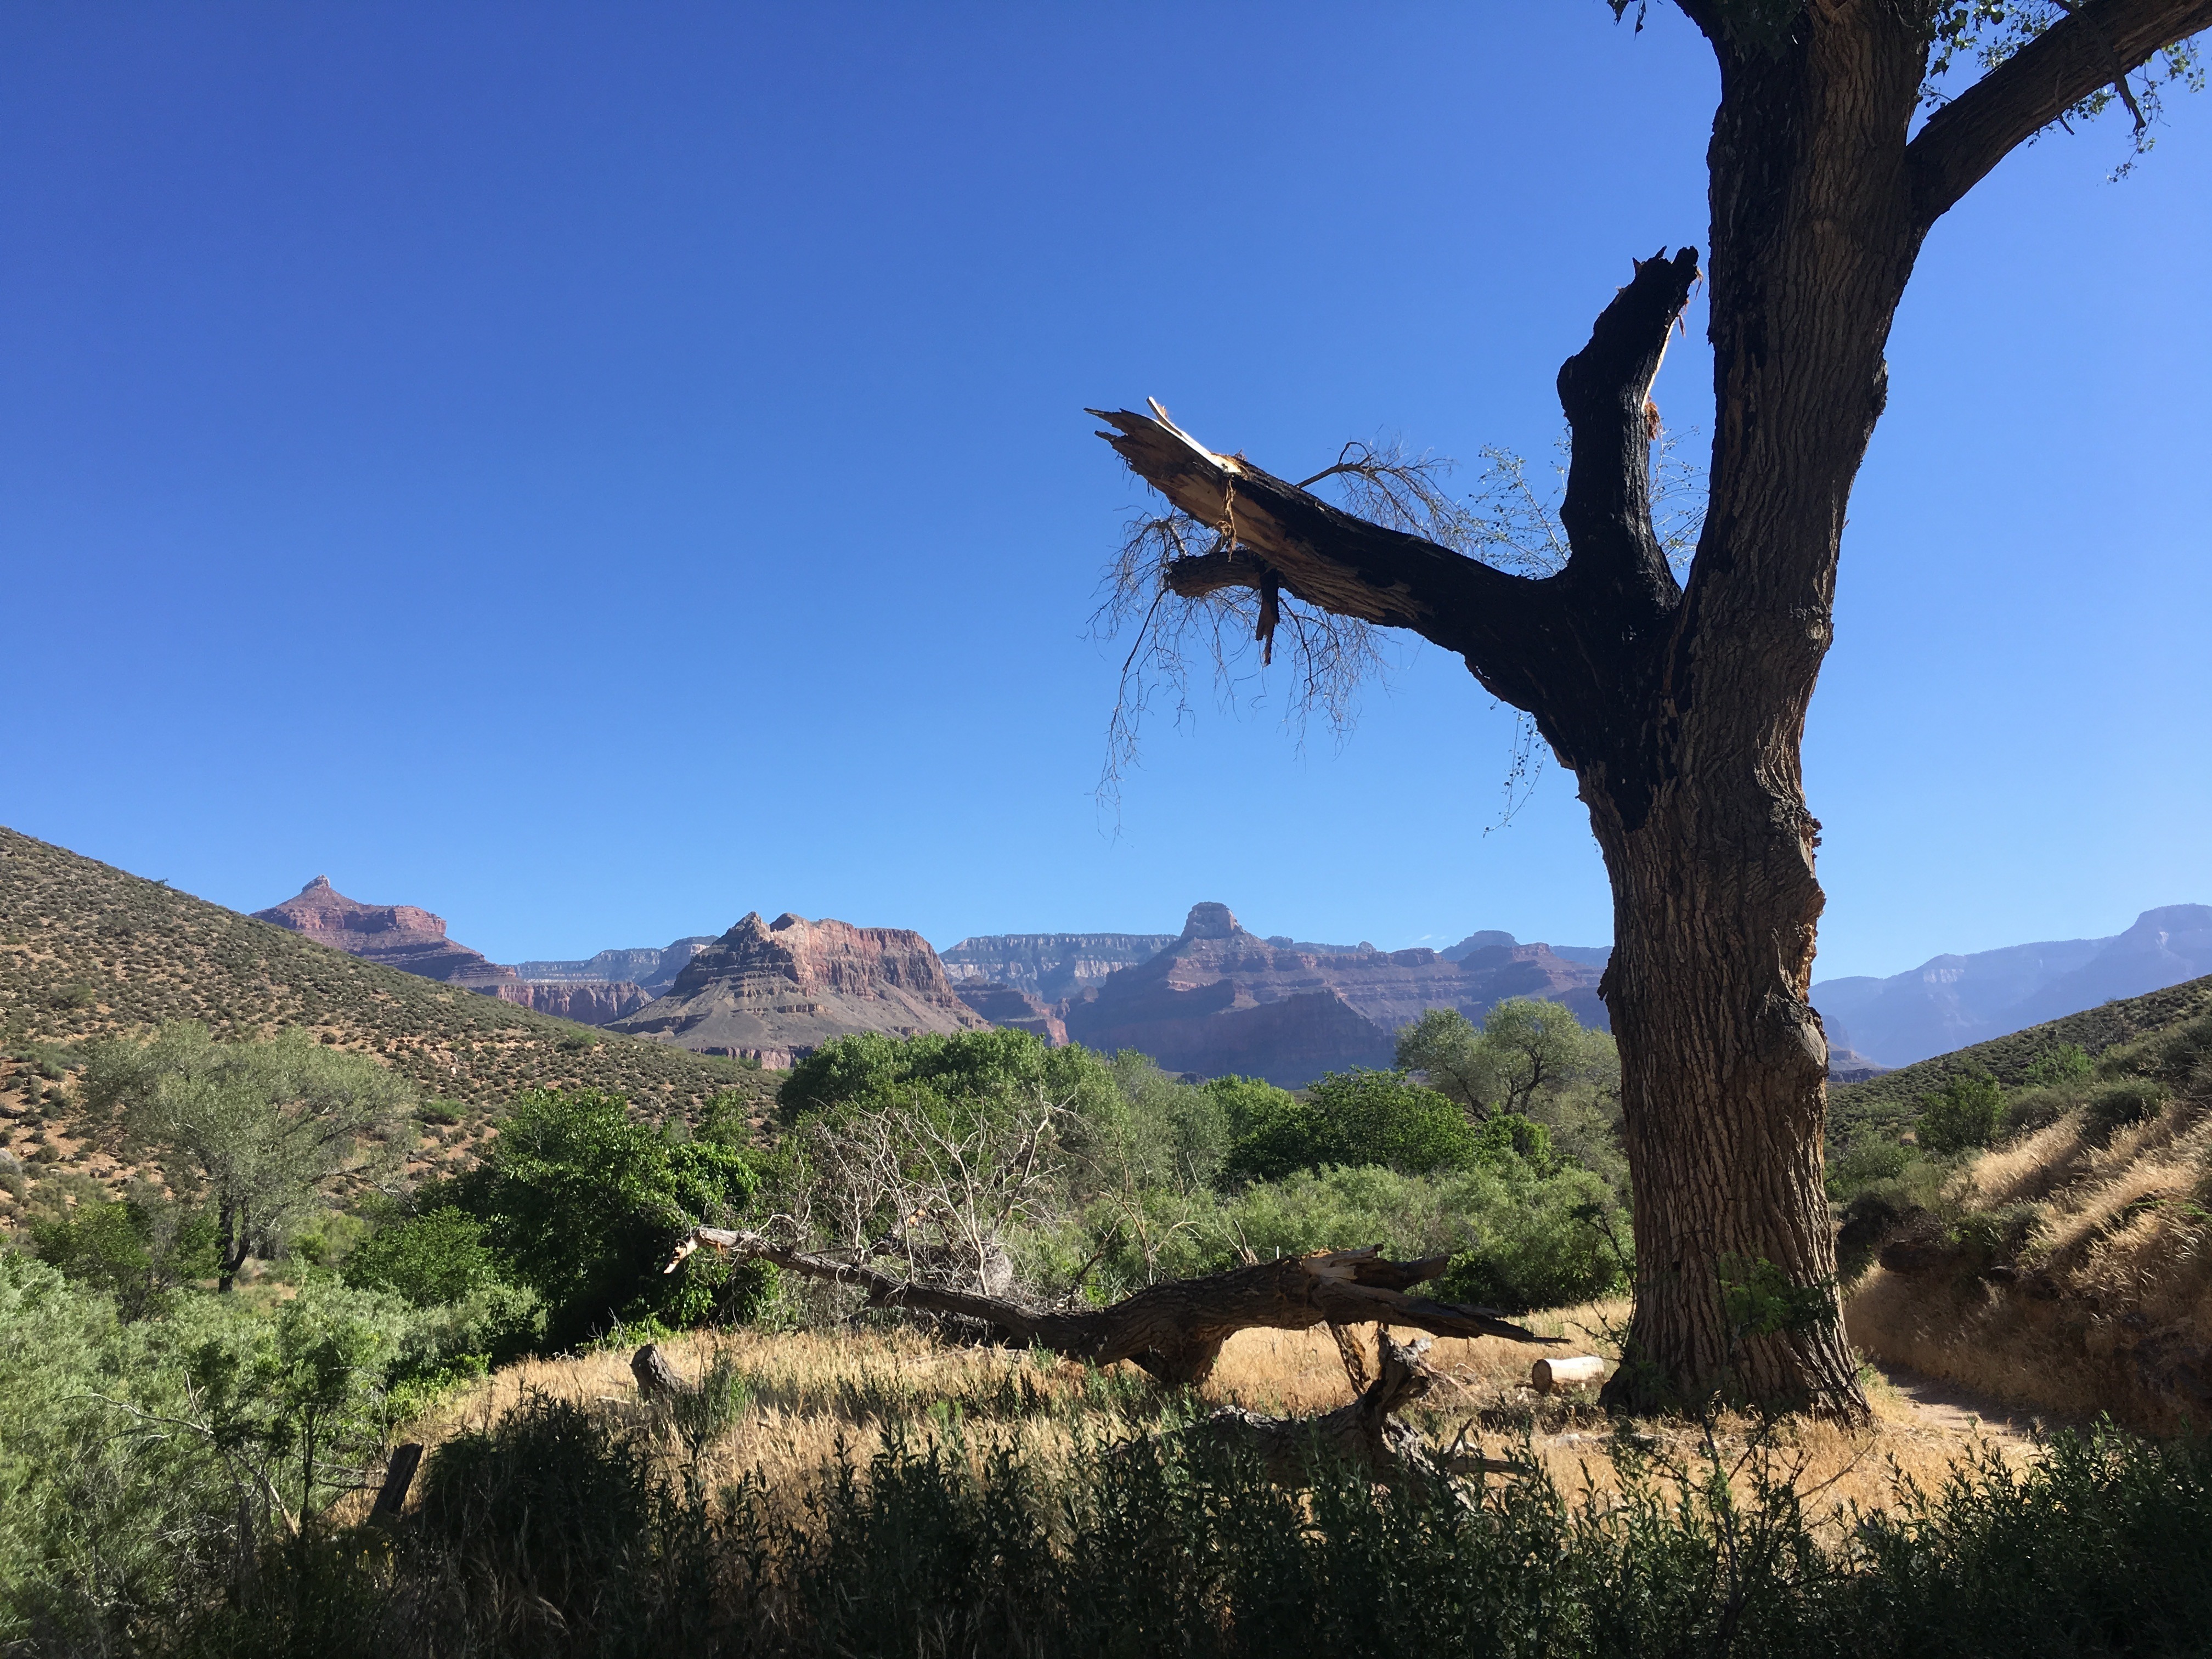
pixel 792 985
pixel 399 936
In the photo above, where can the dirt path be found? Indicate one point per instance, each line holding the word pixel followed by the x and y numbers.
pixel 1947 1407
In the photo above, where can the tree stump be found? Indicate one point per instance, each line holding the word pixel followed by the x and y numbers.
pixel 398 1475
pixel 657 1380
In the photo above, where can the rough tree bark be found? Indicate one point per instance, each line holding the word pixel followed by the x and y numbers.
pixel 1681 710
pixel 1174 1331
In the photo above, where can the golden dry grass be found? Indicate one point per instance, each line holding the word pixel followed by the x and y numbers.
pixel 816 1398
pixel 2111 1312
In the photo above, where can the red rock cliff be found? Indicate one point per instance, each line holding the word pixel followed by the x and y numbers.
pixel 793 984
pixel 398 935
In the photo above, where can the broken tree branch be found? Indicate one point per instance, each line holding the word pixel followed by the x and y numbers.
pixel 1174 1331
pixel 1366 1432
pixel 1272 530
pixel 1605 390
pixel 2097 43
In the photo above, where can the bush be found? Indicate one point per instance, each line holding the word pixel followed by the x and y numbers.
pixel 1964 1116
pixel 1351 1118
pixel 2123 1103
pixel 2068 1063
pixel 545 1535
pixel 583 1204
pixel 1866 1161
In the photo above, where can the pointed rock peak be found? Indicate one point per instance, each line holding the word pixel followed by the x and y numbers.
pixel 319 884
pixel 1210 921
pixel 788 919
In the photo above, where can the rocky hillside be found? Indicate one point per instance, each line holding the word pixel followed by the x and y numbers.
pixel 401 936
pixel 1219 998
pixel 2065 1267
pixel 1013 1009
pixel 1950 1002
pixel 776 991
pixel 1050 967
pixel 1890 1102
pixel 88 951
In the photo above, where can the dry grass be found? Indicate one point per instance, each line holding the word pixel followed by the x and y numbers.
pixel 817 1397
pixel 2109 1310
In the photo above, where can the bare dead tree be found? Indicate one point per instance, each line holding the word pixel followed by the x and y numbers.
pixel 1679 704
pixel 939 1194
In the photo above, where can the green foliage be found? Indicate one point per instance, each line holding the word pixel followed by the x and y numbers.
pixel 425 1260
pixel 1351 1118
pixel 136 1250
pixel 549 1534
pixel 979 1071
pixel 1868 1160
pixel 2123 1103
pixel 1524 1050
pixel 583 1204
pixel 1964 1116
pixel 1760 1300
pixel 2063 1064
pixel 261 1127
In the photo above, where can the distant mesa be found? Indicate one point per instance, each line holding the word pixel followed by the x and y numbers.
pixel 588 1002
pixel 596 992
pixel 1950 1001
pixel 651 971
pixel 396 935
pixel 1050 967
pixel 1218 999
pixel 777 991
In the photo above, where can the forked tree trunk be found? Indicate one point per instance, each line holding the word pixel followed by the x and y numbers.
pixel 1682 709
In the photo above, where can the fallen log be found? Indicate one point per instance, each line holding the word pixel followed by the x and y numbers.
pixel 1567 1372
pixel 1174 1331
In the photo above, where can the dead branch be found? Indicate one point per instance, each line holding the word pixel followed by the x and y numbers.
pixel 1173 1330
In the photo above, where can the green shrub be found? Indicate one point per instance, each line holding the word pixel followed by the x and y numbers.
pixel 2123 1103
pixel 2068 1063
pixel 549 1534
pixel 1964 1116
pixel 1353 1118
pixel 583 1204
pixel 1867 1161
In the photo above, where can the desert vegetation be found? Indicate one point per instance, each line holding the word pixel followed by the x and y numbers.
pixel 2045 1242
pixel 191 1469
pixel 87 952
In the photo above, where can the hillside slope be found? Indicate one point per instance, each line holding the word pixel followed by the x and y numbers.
pixel 2070 1266
pixel 1890 1101
pixel 88 951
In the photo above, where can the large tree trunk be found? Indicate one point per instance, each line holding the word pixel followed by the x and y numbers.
pixel 1704 829
pixel 1681 710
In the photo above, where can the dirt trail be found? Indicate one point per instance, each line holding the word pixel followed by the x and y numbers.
pixel 1955 1410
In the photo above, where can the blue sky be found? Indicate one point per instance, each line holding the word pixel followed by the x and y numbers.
pixel 595 470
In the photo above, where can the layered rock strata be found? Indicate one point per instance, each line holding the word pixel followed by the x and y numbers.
pixel 1013 1010
pixel 1050 967
pixel 654 970
pixel 399 936
pixel 792 985
pixel 588 1002
pixel 1219 1000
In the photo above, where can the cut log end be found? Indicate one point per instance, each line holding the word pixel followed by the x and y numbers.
pixel 1577 1371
